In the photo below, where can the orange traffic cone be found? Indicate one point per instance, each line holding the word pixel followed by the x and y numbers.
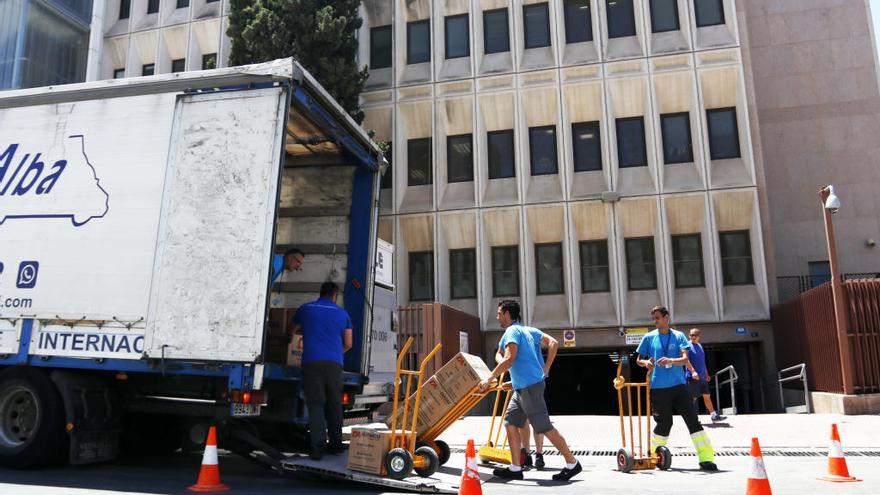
pixel 758 483
pixel 209 475
pixel 837 470
pixel 470 477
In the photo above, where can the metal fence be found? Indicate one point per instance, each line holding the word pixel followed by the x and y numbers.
pixel 792 286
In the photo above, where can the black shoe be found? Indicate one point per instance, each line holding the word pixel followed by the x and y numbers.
pixel 539 461
pixel 525 459
pixel 337 449
pixel 316 454
pixel 708 466
pixel 567 474
pixel 507 474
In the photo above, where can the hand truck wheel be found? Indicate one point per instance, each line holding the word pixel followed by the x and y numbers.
pixel 398 463
pixel 625 461
pixel 664 458
pixel 431 461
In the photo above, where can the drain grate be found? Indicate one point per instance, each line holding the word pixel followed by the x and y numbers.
pixel 720 453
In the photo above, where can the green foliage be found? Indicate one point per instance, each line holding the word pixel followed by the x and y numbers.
pixel 320 34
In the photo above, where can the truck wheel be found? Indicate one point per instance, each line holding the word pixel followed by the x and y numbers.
pixel 625 461
pixel 664 458
pixel 431 462
pixel 398 463
pixel 31 419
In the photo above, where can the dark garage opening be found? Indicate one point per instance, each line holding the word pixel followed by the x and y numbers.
pixel 580 383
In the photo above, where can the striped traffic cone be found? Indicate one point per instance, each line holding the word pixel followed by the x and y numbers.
pixel 837 470
pixel 209 475
pixel 470 477
pixel 758 483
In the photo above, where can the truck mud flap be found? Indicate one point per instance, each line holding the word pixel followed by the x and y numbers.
pixel 334 467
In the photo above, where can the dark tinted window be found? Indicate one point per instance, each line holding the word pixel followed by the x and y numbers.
pixel 388 177
pixel 421 276
pixel 709 12
pixel 631 150
pixel 380 47
pixel 542 150
pixel 418 157
pixel 687 258
pixel 820 272
pixel 723 133
pixel 463 273
pixel 209 61
pixel 641 269
pixel 594 266
pixel 152 6
pixel 548 269
pixel 587 145
pixel 621 18
pixel 178 65
pixel 664 15
pixel 495 34
pixel 124 9
pixel 458 37
pixel 505 271
pixel 736 258
pixel 536 23
pixel 182 3
pixel 418 42
pixel 460 158
pixel 676 130
pixel 578 26
pixel 118 73
pixel 148 70
pixel 501 155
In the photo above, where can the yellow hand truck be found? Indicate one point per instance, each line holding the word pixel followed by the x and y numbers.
pixel 627 460
pixel 491 451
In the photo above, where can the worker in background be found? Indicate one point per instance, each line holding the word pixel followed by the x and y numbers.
pixel 664 351
pixel 290 261
pixel 698 376
pixel 527 401
pixel 327 335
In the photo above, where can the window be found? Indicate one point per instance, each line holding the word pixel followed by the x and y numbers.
pixel 578 25
pixel 460 158
pixel 664 16
pixel 641 269
pixel 501 155
pixel 211 1
pixel 418 42
pixel 723 133
pixel 736 258
pixel 209 61
pixel 421 276
pixel 548 269
pixel 631 149
pixel 388 177
pixel 542 150
pixel 709 12
pixel 585 140
pixel 458 37
pixel 505 271
pixel 182 4
pixel 621 19
pixel 536 24
pixel 820 272
pixel 178 65
pixel 495 35
pixel 594 266
pixel 418 157
pixel 380 47
pixel 152 6
pixel 148 69
pixel 676 130
pixel 687 259
pixel 118 73
pixel 124 9
pixel 463 273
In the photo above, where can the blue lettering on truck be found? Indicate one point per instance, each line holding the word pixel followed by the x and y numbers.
pixel 113 343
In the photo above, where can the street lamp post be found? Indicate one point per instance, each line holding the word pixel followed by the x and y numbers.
pixel 830 205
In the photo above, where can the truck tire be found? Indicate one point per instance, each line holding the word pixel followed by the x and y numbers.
pixel 31 420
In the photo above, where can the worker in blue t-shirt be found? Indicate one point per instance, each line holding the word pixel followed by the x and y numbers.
pixel 291 260
pixel 522 359
pixel 327 335
pixel 698 376
pixel 664 351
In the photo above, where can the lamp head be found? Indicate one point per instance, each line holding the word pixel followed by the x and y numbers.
pixel 832 202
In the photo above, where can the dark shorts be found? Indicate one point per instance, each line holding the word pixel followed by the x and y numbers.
pixel 698 388
pixel 528 403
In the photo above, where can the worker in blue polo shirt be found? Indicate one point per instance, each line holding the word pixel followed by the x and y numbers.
pixel 664 351
pixel 291 260
pixel 326 330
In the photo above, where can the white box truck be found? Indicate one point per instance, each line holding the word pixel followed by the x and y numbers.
pixel 139 222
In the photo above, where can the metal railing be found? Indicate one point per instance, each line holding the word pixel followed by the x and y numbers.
pixel 731 380
pixel 792 286
pixel 802 376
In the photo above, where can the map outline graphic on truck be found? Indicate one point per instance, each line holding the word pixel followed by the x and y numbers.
pixel 33 182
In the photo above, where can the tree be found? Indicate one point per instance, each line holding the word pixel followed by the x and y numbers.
pixel 320 34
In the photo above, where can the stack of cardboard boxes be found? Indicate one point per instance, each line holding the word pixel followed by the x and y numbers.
pixel 440 393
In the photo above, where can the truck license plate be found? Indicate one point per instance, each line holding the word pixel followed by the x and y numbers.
pixel 241 410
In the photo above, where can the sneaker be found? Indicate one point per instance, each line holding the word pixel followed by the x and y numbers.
pixel 525 459
pixel 539 461
pixel 507 474
pixel 708 466
pixel 717 417
pixel 567 474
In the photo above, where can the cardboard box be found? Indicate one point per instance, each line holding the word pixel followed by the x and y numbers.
pixel 295 351
pixel 461 374
pixel 368 447
pixel 435 403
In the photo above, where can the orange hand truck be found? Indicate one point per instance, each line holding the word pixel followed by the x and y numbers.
pixel 491 451
pixel 627 460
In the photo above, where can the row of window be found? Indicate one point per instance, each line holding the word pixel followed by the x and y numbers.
pixel 152 6
pixel 586 147
pixel 641 267
pixel 536 28
pixel 209 61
